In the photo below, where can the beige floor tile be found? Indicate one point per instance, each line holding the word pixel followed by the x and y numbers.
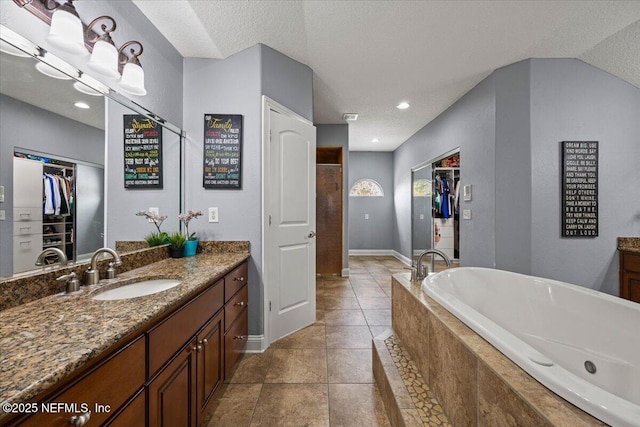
pixel 344 317
pixel 367 303
pixel 310 337
pixel 235 406
pixel 377 330
pixel 292 405
pixel 298 366
pixel 356 405
pixel 338 292
pixel 377 317
pixel 369 291
pixel 339 303
pixel 348 337
pixel 252 368
pixel 319 317
pixel 349 366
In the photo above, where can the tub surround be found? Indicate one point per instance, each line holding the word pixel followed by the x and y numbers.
pixel 42 342
pixel 476 384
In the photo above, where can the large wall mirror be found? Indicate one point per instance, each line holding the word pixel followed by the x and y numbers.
pixel 58 129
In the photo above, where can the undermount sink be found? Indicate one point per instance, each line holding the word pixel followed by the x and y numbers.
pixel 137 289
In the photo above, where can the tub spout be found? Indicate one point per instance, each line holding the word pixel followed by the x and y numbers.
pixel 420 271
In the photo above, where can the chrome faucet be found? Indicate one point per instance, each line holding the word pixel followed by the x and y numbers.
pixel 92 275
pixel 62 257
pixel 420 272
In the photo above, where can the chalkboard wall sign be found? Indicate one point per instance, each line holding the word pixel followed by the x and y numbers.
pixel 579 188
pixel 142 152
pixel 222 151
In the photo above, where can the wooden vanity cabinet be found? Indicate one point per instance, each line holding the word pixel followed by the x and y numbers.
pixel 630 276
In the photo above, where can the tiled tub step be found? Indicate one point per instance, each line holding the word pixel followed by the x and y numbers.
pixel 407 398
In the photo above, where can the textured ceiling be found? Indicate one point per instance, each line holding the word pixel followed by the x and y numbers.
pixel 367 56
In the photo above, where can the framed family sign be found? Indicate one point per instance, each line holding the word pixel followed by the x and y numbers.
pixel 579 188
pixel 222 151
pixel 142 152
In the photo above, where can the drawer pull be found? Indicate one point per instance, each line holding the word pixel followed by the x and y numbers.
pixel 197 348
pixel 238 337
pixel 238 279
pixel 204 341
pixel 80 420
pixel 239 304
pixel 25 242
pixel 23 214
pixel 25 228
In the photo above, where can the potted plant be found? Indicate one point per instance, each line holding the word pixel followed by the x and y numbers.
pixel 155 238
pixel 176 242
pixel 191 244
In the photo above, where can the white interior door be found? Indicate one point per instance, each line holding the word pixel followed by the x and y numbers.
pixel 291 210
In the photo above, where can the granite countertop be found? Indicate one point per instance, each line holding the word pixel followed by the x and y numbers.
pixel 43 341
pixel 629 244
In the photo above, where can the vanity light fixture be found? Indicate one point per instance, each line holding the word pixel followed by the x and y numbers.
pixel 66 32
pixel 104 58
pixel 16 45
pixel 403 106
pixel 82 105
pixel 90 86
pixel 132 80
pixel 54 67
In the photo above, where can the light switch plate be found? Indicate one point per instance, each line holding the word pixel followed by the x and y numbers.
pixel 213 214
pixel 467 193
pixel 466 214
pixel 366 216
pixel 2 215
pixel 1 193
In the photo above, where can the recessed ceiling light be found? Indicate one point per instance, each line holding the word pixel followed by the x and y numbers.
pixel 375 140
pixel 403 105
pixel 350 117
pixel 82 105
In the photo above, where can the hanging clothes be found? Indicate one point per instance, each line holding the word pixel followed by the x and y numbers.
pixel 58 195
pixel 445 202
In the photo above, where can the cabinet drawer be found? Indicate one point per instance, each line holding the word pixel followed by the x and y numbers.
pixel 235 280
pixel 133 414
pixel 170 335
pixel 235 306
pixel 27 214
pixel 112 383
pixel 25 252
pixel 24 228
pixel 631 262
pixel 235 341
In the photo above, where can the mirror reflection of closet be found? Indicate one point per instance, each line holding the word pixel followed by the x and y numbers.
pixel 435 202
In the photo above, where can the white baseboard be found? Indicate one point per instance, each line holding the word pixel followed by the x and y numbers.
pixel 370 252
pixel 345 272
pixel 402 258
pixel 255 344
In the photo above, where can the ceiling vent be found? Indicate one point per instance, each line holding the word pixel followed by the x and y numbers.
pixel 350 117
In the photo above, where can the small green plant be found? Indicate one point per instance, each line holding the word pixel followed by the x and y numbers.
pixel 177 240
pixel 156 239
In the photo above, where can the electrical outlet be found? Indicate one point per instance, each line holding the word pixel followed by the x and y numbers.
pixel 213 214
pixel 2 215
pixel 1 193
pixel 366 216
pixel 466 214
pixel 466 193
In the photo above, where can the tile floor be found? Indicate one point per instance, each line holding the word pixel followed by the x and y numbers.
pixel 321 375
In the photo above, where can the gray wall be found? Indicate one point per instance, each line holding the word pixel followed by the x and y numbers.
pixel 375 232
pixel 571 100
pixel 338 136
pixel 509 128
pixel 54 134
pixel 235 85
pixel 470 125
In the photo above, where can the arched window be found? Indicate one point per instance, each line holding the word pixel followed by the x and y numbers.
pixel 422 188
pixel 366 188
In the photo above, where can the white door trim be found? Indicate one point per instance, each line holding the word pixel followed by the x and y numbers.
pixel 268 105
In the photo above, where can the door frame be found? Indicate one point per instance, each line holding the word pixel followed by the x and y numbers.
pixel 269 105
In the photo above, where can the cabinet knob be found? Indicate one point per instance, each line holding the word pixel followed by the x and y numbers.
pixel 197 348
pixel 204 341
pixel 239 304
pixel 238 279
pixel 238 337
pixel 80 420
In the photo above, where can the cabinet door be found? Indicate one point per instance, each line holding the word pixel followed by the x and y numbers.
pixel 172 394
pixel 210 360
pixel 27 184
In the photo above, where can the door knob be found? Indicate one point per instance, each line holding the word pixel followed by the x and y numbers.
pixel 312 234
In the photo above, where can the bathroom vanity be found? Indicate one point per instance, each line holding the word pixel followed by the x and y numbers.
pixel 629 248
pixel 156 360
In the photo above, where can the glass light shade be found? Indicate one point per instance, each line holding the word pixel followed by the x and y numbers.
pixel 132 80
pixel 16 45
pixel 12 50
pixel 66 33
pixel 90 86
pixel 104 59
pixel 83 88
pixel 50 71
